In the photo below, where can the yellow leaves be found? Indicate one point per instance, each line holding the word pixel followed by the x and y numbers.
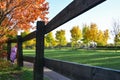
pixel 92 34
pixel 13 32
pixel 49 40
pixel 60 36
pixel 76 33
pixel 3 39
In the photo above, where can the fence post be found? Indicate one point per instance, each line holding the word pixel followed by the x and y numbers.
pixel 19 51
pixel 8 50
pixel 39 58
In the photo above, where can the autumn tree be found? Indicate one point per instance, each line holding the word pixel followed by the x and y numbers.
pixel 18 14
pixel 49 40
pixel 46 43
pixel 92 34
pixel 76 34
pixel 85 33
pixel 100 38
pixel 4 34
pixel 60 37
pixel 29 44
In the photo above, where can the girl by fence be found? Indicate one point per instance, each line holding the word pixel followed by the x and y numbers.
pixel 13 54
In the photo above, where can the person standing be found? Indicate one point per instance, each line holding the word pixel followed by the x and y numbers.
pixel 13 53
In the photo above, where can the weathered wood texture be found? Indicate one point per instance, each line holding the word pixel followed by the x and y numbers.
pixel 26 38
pixel 19 52
pixel 12 41
pixel 39 57
pixel 8 50
pixel 79 71
pixel 74 9
pixel 82 72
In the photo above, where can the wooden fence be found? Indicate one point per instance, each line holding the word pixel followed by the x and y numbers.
pixel 76 71
pixel 75 8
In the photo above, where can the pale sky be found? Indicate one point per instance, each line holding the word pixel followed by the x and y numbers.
pixel 103 15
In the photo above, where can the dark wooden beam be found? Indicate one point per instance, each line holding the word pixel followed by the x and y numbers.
pixel 12 41
pixel 74 9
pixel 19 52
pixel 76 71
pixel 39 57
pixel 8 50
pixel 29 36
pixel 26 38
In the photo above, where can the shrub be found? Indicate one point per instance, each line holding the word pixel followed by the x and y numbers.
pixel 4 65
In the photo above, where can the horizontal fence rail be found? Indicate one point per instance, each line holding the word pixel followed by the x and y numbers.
pixel 29 36
pixel 12 41
pixel 26 38
pixel 73 71
pixel 29 59
pixel 74 9
pixel 78 71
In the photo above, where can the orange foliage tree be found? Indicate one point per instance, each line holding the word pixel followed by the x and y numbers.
pixel 18 14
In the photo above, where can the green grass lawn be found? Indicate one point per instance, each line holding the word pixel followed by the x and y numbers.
pixel 12 72
pixel 102 58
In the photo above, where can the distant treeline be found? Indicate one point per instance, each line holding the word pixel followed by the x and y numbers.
pixel 108 47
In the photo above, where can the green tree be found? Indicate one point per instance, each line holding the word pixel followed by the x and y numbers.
pixel 50 41
pixel 85 33
pixel 100 38
pixel 106 36
pixel 92 34
pixel 117 39
pixel 28 44
pixel 23 34
pixel 60 37
pixel 76 35
pixel 46 44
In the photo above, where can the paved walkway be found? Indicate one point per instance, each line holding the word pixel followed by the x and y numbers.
pixel 49 73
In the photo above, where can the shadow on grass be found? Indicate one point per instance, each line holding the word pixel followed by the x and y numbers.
pixel 103 58
pixel 23 74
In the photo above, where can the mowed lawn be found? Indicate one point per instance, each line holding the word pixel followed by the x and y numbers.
pixel 102 58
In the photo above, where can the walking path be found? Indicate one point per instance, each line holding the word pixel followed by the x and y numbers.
pixel 49 73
